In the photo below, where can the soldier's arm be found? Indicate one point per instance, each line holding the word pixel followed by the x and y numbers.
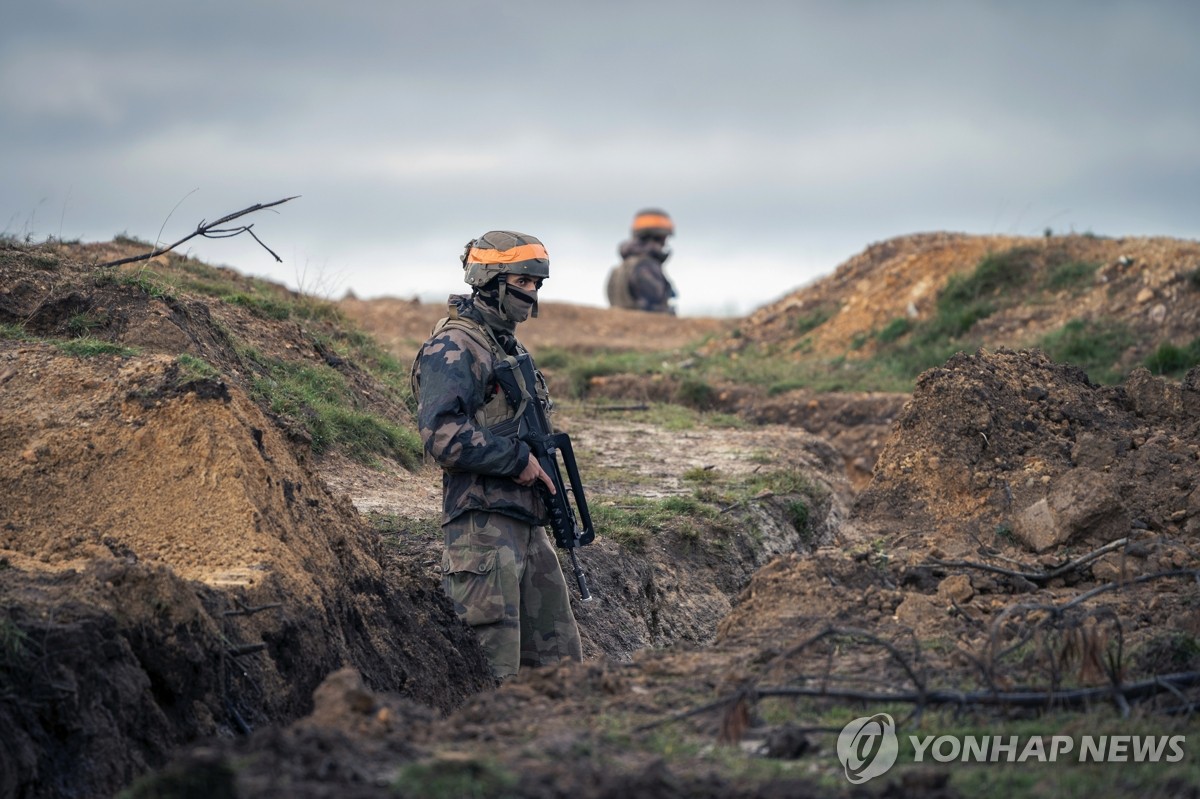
pixel 649 283
pixel 453 388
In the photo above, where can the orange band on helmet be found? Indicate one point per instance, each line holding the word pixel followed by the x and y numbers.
pixel 653 220
pixel 522 252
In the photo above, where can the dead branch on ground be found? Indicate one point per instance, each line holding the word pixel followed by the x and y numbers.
pixel 211 230
pixel 1036 577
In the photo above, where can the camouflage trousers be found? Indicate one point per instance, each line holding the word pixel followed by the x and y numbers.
pixel 505 581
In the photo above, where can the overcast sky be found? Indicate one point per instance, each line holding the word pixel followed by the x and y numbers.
pixel 782 137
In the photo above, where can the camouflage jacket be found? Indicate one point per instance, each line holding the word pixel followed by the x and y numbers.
pixel 458 401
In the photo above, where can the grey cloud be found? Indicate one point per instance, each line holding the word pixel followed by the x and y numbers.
pixel 812 128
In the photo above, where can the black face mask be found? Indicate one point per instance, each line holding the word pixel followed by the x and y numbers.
pixel 517 305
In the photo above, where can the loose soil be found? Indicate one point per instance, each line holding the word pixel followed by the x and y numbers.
pixel 191 595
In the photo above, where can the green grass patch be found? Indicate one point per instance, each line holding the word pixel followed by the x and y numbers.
pixel 701 475
pixel 192 368
pixel 697 394
pixel 318 398
pixel 87 347
pixel 124 238
pixel 1172 360
pixel 579 371
pixel 266 307
pixel 995 273
pixel 457 779
pixel 364 350
pixel 893 330
pixel 635 520
pixel 813 319
pixel 1070 275
pixel 82 324
pixel 13 642
pixel 780 481
pixel 1095 346
pixel 150 283
pixel 12 332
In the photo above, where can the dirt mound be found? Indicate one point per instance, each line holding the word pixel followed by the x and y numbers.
pixel 402 325
pixel 171 563
pixel 989 439
pixel 177 567
pixel 1147 284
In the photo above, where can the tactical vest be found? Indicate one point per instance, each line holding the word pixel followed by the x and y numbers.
pixel 496 408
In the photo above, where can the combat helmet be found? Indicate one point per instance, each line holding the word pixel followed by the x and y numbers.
pixel 652 222
pixel 503 252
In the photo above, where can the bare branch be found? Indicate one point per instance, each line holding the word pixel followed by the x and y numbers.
pixel 1037 577
pixel 1079 697
pixel 1031 698
pixel 850 632
pixel 212 230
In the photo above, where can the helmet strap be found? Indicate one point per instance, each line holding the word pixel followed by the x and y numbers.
pixel 503 290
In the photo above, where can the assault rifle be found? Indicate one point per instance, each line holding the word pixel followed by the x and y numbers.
pixel 517 381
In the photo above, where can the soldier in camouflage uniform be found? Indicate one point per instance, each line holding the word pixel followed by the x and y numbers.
pixel 639 282
pixel 499 565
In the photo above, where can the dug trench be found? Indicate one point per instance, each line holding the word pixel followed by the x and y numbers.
pixel 197 603
pixel 178 566
pixel 933 581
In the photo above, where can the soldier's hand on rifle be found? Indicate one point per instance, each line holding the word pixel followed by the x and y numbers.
pixel 533 472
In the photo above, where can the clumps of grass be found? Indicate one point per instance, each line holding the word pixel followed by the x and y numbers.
pixel 193 369
pixel 813 319
pixel 147 281
pixel 893 330
pixel 363 349
pixel 266 307
pixel 82 324
pixel 697 394
pixel 88 347
pixel 1069 275
pixel 185 780
pixel 280 307
pixel 797 514
pixel 457 779
pixel 12 332
pixel 45 260
pixel 994 274
pixel 908 348
pixel 317 398
pixel 701 475
pixel 1093 345
pixel 636 519
pixel 781 481
pixel 13 640
pixel 1193 279
pixel 580 371
pixel 1173 360
pixel 126 239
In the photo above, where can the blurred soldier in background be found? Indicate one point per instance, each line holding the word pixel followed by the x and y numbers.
pixel 639 282
pixel 498 565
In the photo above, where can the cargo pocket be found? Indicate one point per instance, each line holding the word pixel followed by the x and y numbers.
pixel 472 581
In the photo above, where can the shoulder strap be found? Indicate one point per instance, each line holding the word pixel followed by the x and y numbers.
pixel 482 335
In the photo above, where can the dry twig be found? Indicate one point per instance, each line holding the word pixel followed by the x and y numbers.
pixel 211 230
pixel 1037 577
